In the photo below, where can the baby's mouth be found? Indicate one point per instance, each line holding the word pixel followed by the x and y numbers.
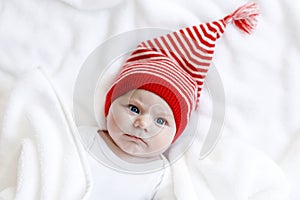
pixel 135 138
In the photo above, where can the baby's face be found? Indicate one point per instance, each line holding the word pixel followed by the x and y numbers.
pixel 141 123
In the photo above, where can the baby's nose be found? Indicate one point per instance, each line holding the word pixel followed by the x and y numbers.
pixel 143 122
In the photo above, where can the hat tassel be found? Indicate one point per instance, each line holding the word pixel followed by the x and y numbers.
pixel 245 17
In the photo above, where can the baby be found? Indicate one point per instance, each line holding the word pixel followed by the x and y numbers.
pixel 141 126
pixel 150 103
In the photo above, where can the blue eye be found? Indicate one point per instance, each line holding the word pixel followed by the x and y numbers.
pixel 134 109
pixel 160 121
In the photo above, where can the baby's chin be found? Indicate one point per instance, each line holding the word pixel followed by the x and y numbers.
pixel 139 151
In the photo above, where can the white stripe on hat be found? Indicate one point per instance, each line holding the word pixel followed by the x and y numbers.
pixel 166 70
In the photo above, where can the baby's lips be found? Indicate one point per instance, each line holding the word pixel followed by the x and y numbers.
pixel 135 138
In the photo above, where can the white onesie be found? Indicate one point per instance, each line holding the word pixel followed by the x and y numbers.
pixel 114 178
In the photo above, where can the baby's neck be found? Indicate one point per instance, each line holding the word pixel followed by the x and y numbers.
pixel 123 155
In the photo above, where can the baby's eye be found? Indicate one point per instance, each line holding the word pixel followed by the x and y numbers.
pixel 160 121
pixel 134 109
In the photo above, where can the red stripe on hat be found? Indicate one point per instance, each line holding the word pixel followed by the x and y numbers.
pixel 188 66
pixel 198 41
pixel 212 38
pixel 221 26
pixel 191 47
pixel 166 51
pixel 188 54
pixel 197 50
pixel 211 28
pixel 200 83
pixel 138 57
pixel 170 51
pixel 174 53
pixel 205 43
pixel 159 46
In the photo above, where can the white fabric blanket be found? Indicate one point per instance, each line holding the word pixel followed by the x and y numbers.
pixel 41 156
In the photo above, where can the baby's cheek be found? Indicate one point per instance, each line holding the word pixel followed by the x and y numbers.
pixel 164 139
pixel 123 121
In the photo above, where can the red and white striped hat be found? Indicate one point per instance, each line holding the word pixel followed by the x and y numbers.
pixel 175 65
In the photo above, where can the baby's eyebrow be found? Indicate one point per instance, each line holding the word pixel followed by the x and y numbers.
pixel 135 101
pixel 164 114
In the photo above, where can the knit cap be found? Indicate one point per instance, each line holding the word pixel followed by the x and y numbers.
pixel 174 66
